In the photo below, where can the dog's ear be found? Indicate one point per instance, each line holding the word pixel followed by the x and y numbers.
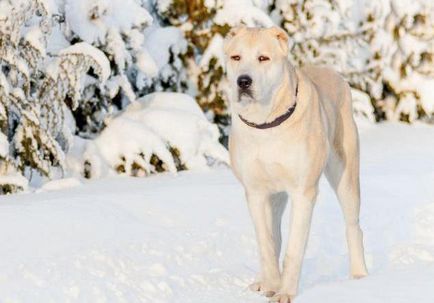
pixel 282 37
pixel 231 34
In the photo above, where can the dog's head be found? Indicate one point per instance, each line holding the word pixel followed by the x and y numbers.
pixel 256 59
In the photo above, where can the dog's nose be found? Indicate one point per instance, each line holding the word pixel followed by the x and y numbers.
pixel 244 81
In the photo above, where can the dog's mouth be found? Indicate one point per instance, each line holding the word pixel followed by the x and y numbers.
pixel 245 95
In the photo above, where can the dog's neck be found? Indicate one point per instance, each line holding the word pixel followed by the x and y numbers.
pixel 281 100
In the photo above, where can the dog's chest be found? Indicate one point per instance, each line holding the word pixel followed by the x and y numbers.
pixel 268 162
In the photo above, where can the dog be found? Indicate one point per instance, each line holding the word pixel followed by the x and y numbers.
pixel 289 125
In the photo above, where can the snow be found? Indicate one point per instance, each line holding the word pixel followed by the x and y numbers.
pixel 13 178
pixel 4 146
pixel 188 238
pixel 383 48
pixel 146 64
pixel 34 36
pixel 148 127
pixel 92 19
pixel 59 184
pixel 56 41
pixel 85 49
pixel 234 12
pixel 214 50
pixel 362 106
pixel 160 41
pixel 179 121
pixel 425 93
pixel 164 5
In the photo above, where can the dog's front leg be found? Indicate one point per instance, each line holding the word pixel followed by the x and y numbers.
pixel 261 212
pixel 301 215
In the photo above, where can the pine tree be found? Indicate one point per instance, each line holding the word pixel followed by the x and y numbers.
pixel 205 24
pixel 408 52
pixel 143 57
pixel 36 86
pixel 335 34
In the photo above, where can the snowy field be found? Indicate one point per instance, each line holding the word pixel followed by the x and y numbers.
pixel 188 238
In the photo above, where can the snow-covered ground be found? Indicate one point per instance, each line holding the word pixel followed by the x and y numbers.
pixel 188 238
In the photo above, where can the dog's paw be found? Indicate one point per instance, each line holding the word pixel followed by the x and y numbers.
pixel 359 276
pixel 265 290
pixel 359 273
pixel 281 298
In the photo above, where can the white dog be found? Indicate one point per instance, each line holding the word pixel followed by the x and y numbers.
pixel 288 126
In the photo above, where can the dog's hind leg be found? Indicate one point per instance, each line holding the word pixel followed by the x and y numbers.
pixel 342 172
pixel 261 211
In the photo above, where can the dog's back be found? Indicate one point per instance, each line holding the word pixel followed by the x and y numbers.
pixel 329 83
pixel 335 98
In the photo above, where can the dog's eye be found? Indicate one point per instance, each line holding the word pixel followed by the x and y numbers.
pixel 263 58
pixel 236 58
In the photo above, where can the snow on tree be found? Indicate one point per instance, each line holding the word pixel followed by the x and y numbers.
pixel 115 28
pixel 10 180
pixel 205 23
pixel 384 49
pixel 143 58
pixel 35 86
pixel 364 40
pixel 69 68
pixel 408 52
pixel 165 131
pixel 337 34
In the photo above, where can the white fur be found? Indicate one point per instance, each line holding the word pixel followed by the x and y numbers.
pixel 320 136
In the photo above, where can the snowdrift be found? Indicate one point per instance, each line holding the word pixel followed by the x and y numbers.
pixel 159 132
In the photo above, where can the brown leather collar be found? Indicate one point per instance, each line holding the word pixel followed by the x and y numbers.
pixel 276 122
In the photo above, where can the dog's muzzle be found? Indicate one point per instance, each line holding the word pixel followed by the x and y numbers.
pixel 244 83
